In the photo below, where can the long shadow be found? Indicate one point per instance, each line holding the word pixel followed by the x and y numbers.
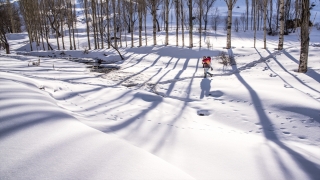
pixel 311 73
pixel 284 69
pixel 178 75
pixel 156 100
pixel 181 110
pixel 120 82
pixel 311 169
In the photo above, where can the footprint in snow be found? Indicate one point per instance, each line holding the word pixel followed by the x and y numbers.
pixel 203 112
pixel 302 137
pixel 287 86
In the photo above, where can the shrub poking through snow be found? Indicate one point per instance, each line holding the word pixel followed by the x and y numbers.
pixel 317 25
pixel 63 53
pixel 34 63
pixel 86 51
pixel 225 60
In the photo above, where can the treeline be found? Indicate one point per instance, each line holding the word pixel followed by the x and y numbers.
pixel 108 20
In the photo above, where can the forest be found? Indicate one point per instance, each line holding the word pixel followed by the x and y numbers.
pixel 109 22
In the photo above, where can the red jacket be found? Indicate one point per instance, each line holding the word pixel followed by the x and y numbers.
pixel 206 62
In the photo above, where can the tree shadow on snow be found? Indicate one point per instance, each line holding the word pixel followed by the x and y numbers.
pixel 310 168
pixel 311 73
pixel 285 70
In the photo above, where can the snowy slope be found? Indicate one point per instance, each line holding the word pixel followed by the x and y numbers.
pixel 156 117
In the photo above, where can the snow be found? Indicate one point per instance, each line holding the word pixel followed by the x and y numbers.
pixel 155 117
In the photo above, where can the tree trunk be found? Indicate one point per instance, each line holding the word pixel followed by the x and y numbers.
pixel 229 25
pixel 304 52
pixel 154 22
pixel 57 37
pixel 101 28
pixel 270 17
pixel 131 22
pixel 190 24
pixel 177 22
pixel 140 22
pixel 93 16
pixel 119 27
pixel 254 4
pixel 74 23
pixel 62 34
pixel 145 26
pixel 265 3
pixel 247 10
pixel 7 47
pixel 200 22
pixel 108 23
pixel 167 22
pixel 280 45
pixel 87 21
pixel 182 21
pixel 114 24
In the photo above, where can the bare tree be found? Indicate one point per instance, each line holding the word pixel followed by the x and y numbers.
pixel 108 22
pixel 166 21
pixel 94 22
pixel 190 24
pixel 4 24
pixel 265 7
pixel 69 20
pixel 255 10
pixel 30 13
pixel 141 7
pixel 270 16
pixel 243 21
pixel 86 13
pixel 247 13
pixel 177 8
pixel 153 6
pixel 200 14
pixel 230 4
pixel 10 16
pixel 236 24
pixel 216 19
pixel 182 21
pixel 177 11
pixel 280 45
pixel 206 8
pixel 131 21
pixel 304 51
pixel 113 2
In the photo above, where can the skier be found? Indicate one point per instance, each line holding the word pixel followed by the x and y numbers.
pixel 206 63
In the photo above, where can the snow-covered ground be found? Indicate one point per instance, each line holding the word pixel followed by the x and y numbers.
pixel 156 117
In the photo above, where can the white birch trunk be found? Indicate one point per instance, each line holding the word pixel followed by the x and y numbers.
pixel 229 25
pixel 281 35
pixel 154 23
pixel 200 22
pixel 190 24
pixel 167 22
pixel 177 22
pixel 304 51
pixel 265 3
pixel 87 22
pixel 131 22
pixel 182 21
pixel 140 22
